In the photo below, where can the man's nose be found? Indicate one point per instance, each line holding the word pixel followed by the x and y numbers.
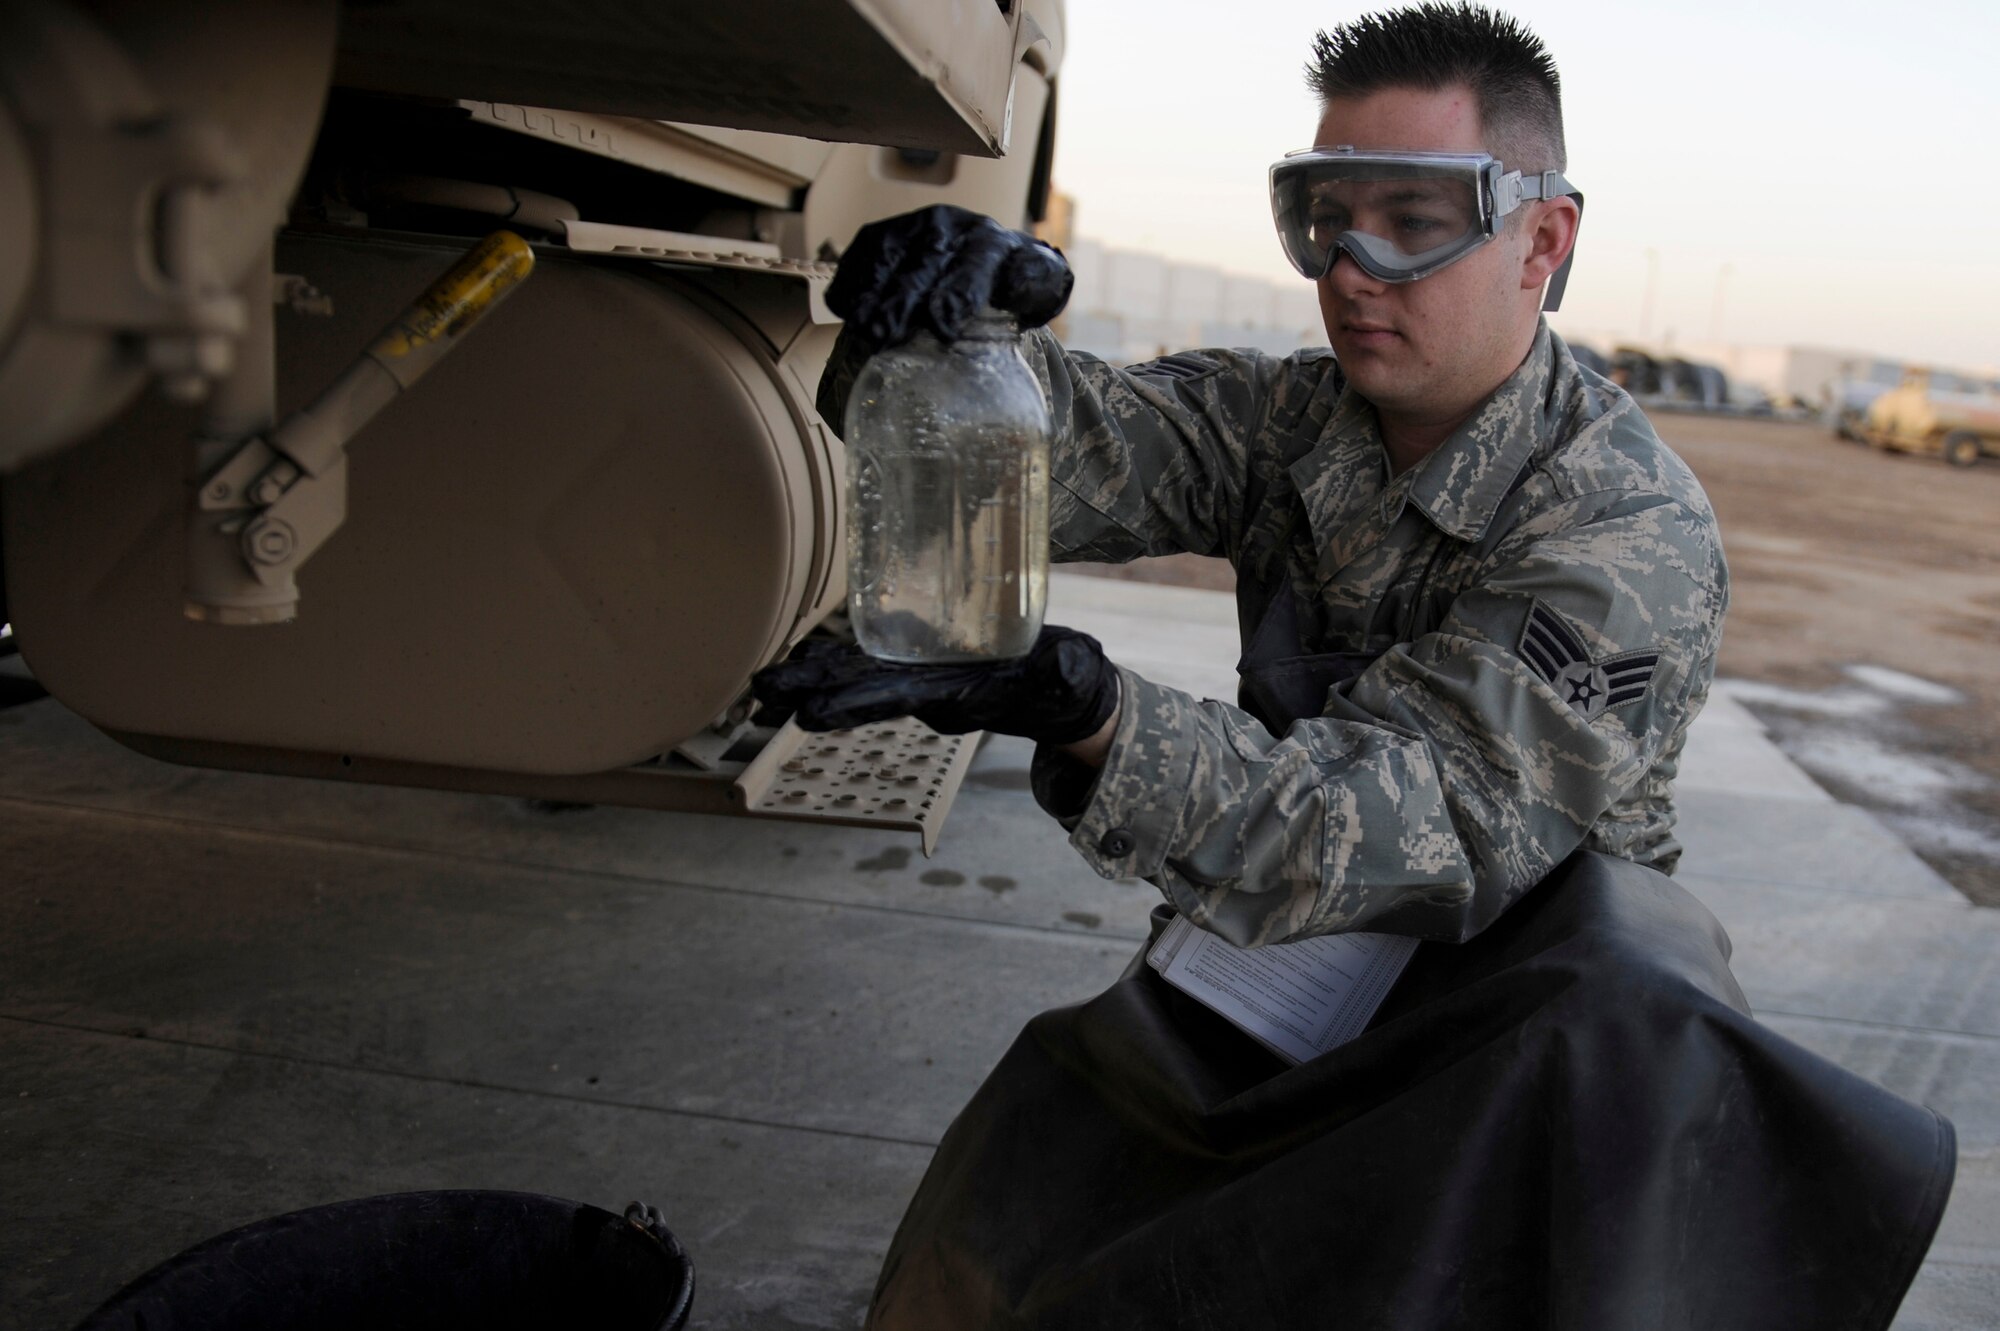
pixel 1349 279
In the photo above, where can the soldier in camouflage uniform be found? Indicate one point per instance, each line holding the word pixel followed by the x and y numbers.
pixel 1539 587
pixel 1480 605
pixel 1542 597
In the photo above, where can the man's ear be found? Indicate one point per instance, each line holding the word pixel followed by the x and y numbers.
pixel 1550 240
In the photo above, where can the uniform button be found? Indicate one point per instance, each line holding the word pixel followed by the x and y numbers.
pixel 1116 843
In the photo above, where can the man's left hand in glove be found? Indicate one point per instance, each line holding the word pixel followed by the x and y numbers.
pixel 1063 692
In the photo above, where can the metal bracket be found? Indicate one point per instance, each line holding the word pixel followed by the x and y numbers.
pixel 278 495
pixel 698 251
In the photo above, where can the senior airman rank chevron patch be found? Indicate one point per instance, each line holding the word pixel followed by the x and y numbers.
pixel 1552 650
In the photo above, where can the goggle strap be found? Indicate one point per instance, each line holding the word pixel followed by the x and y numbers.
pixel 1546 185
pixel 1514 189
pixel 1552 299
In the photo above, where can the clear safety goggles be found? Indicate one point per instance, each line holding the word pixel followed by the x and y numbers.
pixel 1400 215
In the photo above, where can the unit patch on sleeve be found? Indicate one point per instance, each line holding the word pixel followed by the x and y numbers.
pixel 1553 650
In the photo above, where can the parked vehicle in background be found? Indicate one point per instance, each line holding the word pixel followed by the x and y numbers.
pixel 1669 381
pixel 1750 400
pixel 1934 412
pixel 1848 398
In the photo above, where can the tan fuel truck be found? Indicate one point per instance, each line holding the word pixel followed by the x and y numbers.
pixel 1941 414
pixel 305 469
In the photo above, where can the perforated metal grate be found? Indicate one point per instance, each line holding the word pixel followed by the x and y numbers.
pixel 899 774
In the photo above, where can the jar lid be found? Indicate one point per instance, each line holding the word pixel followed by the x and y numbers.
pixel 990 325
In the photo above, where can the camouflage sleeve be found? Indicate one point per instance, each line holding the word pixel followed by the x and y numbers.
pixel 1150 459
pixel 1454 772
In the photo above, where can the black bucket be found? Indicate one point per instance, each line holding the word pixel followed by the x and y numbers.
pixel 490 1260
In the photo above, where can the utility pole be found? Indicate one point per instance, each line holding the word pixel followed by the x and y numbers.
pixel 1715 314
pixel 1652 290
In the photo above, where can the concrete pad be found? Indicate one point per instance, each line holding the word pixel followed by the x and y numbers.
pixel 1180 637
pixel 1722 709
pixel 1192 607
pixel 1924 966
pixel 1736 759
pixel 1950 1298
pixel 1966 1238
pixel 349 990
pixel 752 1008
pixel 1958 1288
pixel 1957 1075
pixel 121 1152
pixel 1820 845
pixel 1000 859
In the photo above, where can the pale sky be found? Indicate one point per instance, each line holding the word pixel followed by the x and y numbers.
pixel 1838 157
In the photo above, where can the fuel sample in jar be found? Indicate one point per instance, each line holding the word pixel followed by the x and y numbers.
pixel 948 498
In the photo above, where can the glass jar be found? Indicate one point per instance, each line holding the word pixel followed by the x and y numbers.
pixel 948 498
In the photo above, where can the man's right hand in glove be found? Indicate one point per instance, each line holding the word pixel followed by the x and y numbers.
pixel 933 269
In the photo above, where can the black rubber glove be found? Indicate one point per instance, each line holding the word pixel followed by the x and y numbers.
pixel 936 268
pixel 1062 691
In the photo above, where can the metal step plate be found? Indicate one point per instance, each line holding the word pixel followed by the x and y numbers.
pixel 899 774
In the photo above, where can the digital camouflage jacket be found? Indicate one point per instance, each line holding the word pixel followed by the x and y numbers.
pixel 1545 592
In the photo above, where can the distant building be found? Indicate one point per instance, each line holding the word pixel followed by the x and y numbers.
pixel 1131 306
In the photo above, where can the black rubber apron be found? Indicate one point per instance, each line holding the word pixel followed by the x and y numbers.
pixel 1571 1121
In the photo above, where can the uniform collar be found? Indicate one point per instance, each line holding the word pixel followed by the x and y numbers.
pixel 1460 485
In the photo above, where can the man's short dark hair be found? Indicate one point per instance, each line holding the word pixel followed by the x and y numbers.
pixel 1436 46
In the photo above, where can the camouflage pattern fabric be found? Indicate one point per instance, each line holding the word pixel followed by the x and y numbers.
pixel 1545 592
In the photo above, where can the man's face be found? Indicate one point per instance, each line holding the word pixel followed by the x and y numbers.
pixel 1436 347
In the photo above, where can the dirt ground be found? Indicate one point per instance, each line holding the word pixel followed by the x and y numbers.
pixel 1864 626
